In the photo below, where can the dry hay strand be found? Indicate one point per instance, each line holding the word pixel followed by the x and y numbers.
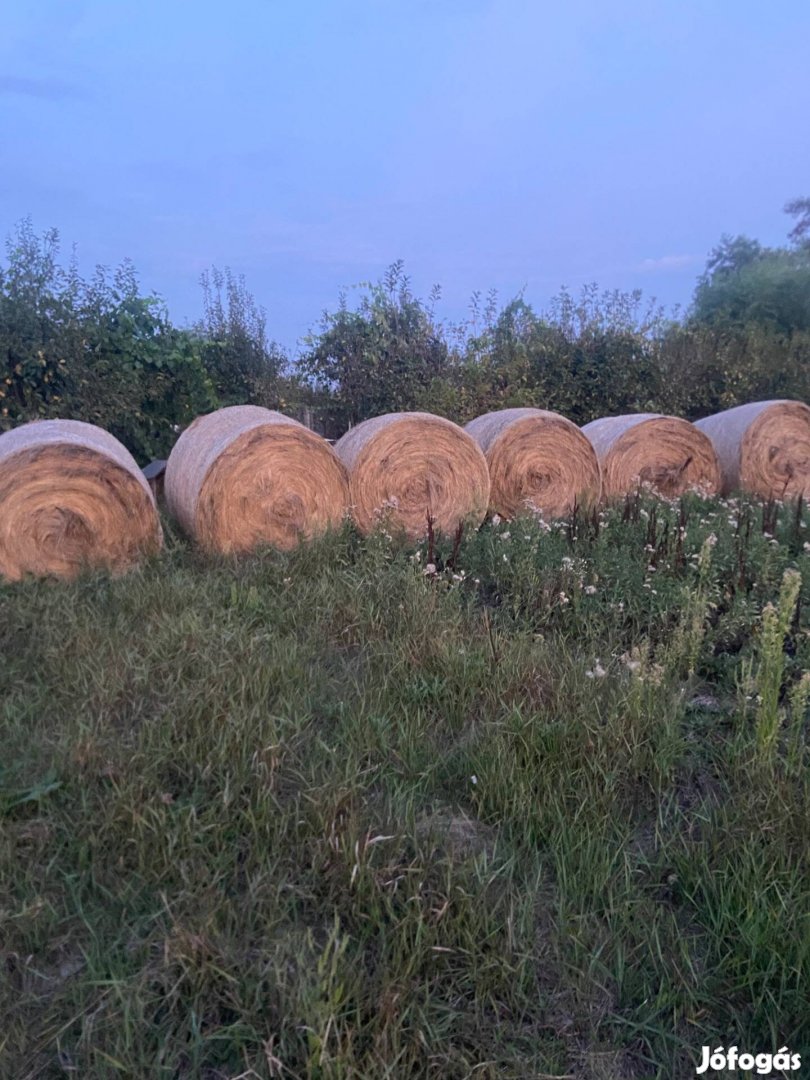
pixel 409 466
pixel 538 461
pixel 763 448
pixel 244 477
pixel 663 453
pixel 71 496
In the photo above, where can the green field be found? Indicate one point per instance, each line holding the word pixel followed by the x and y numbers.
pixel 541 813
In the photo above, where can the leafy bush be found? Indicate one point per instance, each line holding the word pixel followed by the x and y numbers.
pixel 96 351
pixel 378 358
pixel 244 365
pixel 101 351
pixel 771 289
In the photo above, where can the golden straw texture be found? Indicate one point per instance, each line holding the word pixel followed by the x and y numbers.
pixel 244 477
pixel 538 461
pixel 664 453
pixel 71 496
pixel 411 465
pixel 763 448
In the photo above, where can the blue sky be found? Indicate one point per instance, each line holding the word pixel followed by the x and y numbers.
pixel 309 144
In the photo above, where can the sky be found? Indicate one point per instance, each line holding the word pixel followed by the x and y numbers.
pixel 307 144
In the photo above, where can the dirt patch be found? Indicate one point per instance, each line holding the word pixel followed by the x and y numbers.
pixel 454 835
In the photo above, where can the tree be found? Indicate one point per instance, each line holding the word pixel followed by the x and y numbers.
pixel 40 342
pixel 800 233
pixel 732 255
pixel 97 351
pixel 142 378
pixel 244 364
pixel 745 282
pixel 773 290
pixel 585 357
pixel 378 358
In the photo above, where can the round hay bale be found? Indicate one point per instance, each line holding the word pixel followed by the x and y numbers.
pixel 243 477
pixel 763 448
pixel 664 453
pixel 538 460
pixel 71 496
pixel 412 465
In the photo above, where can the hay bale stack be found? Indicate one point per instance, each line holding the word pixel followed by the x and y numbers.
pixel 664 453
pixel 71 496
pixel 406 466
pixel 244 477
pixel 763 448
pixel 538 460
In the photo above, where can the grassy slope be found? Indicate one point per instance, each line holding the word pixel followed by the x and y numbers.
pixel 324 815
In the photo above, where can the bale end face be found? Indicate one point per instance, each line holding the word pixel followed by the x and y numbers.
pixel 775 455
pixel 246 477
pixel 406 468
pixel 71 497
pixel 538 462
pixel 665 455
pixel 763 448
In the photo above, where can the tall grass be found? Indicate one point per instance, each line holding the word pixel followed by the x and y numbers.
pixel 329 815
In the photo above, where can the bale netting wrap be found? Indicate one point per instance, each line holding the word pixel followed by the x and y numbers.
pixel 407 466
pixel 538 461
pixel 763 448
pixel 664 453
pixel 244 477
pixel 71 496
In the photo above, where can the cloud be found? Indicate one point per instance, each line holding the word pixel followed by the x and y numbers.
pixel 47 89
pixel 668 262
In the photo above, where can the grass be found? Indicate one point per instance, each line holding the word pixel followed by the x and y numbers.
pixel 541 813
